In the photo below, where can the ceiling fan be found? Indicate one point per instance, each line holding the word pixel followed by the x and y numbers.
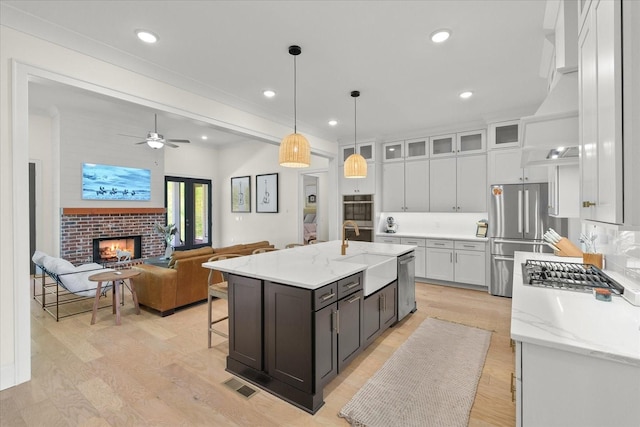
pixel 156 140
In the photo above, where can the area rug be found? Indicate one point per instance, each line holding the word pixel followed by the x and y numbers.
pixel 430 380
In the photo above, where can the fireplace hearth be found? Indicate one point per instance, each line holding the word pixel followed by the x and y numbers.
pixel 105 249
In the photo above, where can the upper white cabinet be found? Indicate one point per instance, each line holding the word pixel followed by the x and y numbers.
pixel 504 134
pixel 411 149
pixel 355 186
pixel 442 145
pixel 600 106
pixel 415 149
pixel 470 142
pixel 504 168
pixel 405 186
pixel 566 36
pixel 458 184
pixel 564 191
pixel 365 149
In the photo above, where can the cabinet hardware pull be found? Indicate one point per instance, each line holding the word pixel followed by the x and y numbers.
pixel 351 285
pixel 327 296
pixel 468 246
pixel 337 321
pixel 438 244
pixel 353 299
pixel 513 388
pixel 588 204
pixel 380 303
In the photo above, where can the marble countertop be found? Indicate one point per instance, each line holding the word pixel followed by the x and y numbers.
pixel 573 321
pixel 309 266
pixel 446 236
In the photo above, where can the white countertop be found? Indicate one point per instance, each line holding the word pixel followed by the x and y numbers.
pixel 573 321
pixel 310 266
pixel 436 235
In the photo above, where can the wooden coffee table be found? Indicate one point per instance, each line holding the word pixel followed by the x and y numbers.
pixel 116 277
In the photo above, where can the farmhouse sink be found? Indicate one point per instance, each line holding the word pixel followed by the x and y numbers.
pixel 381 270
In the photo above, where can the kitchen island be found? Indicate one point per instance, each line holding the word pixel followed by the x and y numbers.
pixel 577 358
pixel 298 316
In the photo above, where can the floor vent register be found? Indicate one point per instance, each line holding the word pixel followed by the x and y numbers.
pixel 237 386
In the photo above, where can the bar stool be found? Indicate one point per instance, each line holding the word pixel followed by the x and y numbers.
pixel 217 290
pixel 263 250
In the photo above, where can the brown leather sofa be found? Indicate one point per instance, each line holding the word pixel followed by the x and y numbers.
pixel 185 280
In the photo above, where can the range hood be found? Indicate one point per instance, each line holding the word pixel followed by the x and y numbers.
pixel 550 136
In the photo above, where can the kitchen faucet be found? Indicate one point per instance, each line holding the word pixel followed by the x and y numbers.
pixel 345 241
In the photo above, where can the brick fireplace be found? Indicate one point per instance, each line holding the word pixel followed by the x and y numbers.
pixel 80 226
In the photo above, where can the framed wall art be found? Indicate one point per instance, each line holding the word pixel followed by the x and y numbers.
pixel 267 193
pixel 106 182
pixel 241 194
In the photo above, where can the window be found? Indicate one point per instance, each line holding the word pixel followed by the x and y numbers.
pixel 188 203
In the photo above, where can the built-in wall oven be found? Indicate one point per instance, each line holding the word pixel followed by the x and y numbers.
pixel 359 208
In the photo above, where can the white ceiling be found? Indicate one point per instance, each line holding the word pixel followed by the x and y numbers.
pixel 232 50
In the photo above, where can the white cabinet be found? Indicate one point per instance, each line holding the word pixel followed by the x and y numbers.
pixel 388 239
pixel 458 184
pixel 564 191
pixel 405 186
pixel 442 145
pixel 393 151
pixel 440 260
pixel 365 149
pixel 600 106
pixel 504 168
pixel 504 134
pixel 349 186
pixel 566 37
pixel 411 149
pixel 470 142
pixel 552 386
pixel 456 261
pixel 469 262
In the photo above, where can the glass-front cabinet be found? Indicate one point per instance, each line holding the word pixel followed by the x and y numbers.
pixel 365 149
pixel 471 142
pixel 393 151
pixel 442 145
pixel 504 134
pixel 416 148
pixel 346 151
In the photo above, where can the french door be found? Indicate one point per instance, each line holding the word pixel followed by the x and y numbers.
pixel 188 203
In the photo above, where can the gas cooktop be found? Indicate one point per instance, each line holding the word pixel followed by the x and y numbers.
pixel 568 276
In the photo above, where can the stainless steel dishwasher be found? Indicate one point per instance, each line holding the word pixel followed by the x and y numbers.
pixel 406 285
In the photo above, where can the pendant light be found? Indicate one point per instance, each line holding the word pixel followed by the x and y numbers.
pixel 294 148
pixel 355 166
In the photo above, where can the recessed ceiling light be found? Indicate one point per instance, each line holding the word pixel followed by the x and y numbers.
pixel 333 122
pixel 204 137
pixel 147 36
pixel 465 95
pixel 439 36
pixel 269 93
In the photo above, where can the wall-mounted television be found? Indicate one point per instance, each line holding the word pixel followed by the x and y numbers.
pixel 106 182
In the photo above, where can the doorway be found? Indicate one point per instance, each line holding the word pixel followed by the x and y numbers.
pixel 188 203
pixel 314 207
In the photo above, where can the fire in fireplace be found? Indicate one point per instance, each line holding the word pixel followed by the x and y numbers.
pixel 105 249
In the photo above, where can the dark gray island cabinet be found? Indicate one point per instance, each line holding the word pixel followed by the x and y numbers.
pixel 292 341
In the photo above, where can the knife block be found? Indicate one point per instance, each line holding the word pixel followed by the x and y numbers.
pixel 567 248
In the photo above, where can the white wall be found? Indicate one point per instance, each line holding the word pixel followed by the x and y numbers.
pixel 23 57
pixel 254 158
pixel 40 153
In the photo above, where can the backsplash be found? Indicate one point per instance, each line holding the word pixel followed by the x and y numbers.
pixel 621 249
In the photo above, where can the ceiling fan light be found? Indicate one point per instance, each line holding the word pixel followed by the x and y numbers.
pixel 155 144
pixel 295 151
pixel 355 167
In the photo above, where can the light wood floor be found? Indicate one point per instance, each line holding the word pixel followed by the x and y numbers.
pixel 154 371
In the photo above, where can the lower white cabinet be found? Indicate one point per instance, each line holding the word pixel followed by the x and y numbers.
pixel 388 239
pixel 456 261
pixel 554 387
pixel 420 254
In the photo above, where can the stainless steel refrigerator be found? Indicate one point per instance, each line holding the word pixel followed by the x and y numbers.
pixel 518 218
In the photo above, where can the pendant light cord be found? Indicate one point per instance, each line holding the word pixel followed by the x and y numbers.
pixel 295 96
pixel 355 124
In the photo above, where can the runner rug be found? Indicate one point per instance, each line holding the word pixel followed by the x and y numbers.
pixel 431 380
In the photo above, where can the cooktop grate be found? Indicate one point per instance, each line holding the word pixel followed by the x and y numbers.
pixel 567 275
